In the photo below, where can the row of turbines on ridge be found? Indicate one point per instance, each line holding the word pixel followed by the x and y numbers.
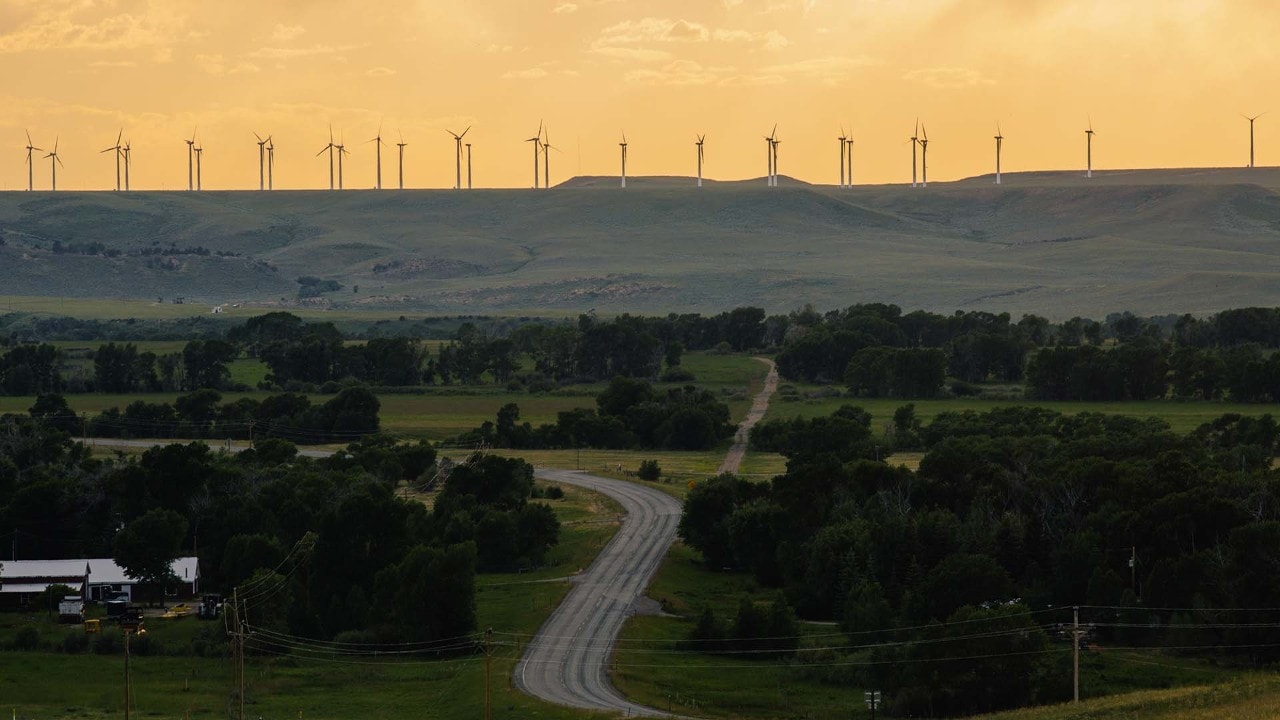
pixel 542 148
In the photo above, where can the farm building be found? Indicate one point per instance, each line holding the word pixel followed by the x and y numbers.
pixel 93 578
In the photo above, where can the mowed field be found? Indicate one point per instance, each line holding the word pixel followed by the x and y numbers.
pixel 1150 241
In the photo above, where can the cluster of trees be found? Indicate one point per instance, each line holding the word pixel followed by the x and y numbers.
pixel 351 560
pixel 1011 512
pixel 350 414
pixel 629 413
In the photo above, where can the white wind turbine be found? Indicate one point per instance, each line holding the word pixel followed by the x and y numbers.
pixel 1088 134
pixel 329 148
pixel 1251 119
pixel 844 140
pixel 924 157
pixel 31 166
pixel 400 146
pixel 849 153
pixel 54 162
pixel 623 145
pixel 262 162
pixel 537 146
pixel 547 147
pixel 701 139
pixel 118 149
pixel 199 156
pixel 457 141
pixel 915 141
pixel 191 161
pixel 128 150
pixel 999 142
pixel 271 163
pixel 377 141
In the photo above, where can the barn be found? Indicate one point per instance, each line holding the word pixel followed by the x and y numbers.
pixel 94 578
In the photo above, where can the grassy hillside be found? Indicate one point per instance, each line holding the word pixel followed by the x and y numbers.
pixel 1051 243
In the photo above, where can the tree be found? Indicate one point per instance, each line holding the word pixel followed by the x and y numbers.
pixel 649 470
pixel 206 363
pixel 147 547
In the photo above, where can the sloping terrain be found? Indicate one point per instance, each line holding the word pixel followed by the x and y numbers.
pixel 1051 243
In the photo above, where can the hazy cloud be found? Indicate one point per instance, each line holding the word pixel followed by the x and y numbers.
pixel 679 72
pixel 565 8
pixel 218 65
pixel 80 25
pixel 380 72
pixel 279 53
pixel 285 33
pixel 948 77
pixel 526 74
pixel 644 39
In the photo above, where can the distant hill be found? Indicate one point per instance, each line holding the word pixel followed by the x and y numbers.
pixel 1151 241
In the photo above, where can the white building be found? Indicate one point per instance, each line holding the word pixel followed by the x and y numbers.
pixel 93 578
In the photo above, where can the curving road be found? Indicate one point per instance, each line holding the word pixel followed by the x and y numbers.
pixel 565 662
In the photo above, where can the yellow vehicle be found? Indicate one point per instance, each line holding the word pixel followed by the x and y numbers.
pixel 180 610
pixel 93 626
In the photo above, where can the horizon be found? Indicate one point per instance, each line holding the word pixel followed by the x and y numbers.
pixel 662 72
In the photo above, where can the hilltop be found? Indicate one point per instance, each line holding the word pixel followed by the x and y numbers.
pixel 1151 241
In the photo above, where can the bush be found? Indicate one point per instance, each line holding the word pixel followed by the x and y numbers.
pixel 106 643
pixel 677 374
pixel 553 493
pixel 649 470
pixel 75 642
pixel 27 638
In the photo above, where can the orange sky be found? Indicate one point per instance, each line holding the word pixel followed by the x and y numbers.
pixel 1164 82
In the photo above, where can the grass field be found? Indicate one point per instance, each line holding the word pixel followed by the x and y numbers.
pixel 49 685
pixel 1183 417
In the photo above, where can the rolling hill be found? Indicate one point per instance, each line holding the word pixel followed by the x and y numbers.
pixel 1151 241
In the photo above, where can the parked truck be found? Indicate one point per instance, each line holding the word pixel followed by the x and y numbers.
pixel 71 609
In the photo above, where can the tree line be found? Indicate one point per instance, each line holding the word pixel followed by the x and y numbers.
pixel 372 567
pixel 1012 512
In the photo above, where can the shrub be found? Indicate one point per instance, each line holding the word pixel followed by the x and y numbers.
pixel 27 638
pixel 677 374
pixel 553 492
pixel 649 470
pixel 75 642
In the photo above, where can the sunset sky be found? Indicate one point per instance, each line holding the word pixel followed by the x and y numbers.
pixel 1164 81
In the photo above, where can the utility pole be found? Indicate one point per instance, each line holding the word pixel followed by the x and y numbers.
pixel 1133 569
pixel 1075 654
pixel 488 665
pixel 127 690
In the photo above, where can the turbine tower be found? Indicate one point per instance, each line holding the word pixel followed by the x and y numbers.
pixel 844 140
pixel 924 157
pixel 773 145
pixel 271 163
pixel 546 157
pixel 117 149
pixel 537 141
pixel 342 150
pixel 31 166
pixel 701 140
pixel 329 148
pixel 191 162
pixel 1088 134
pixel 999 142
pixel 262 163
pixel 468 166
pixel 128 148
pixel 848 149
pixel 915 140
pixel 377 140
pixel 401 145
pixel 199 156
pixel 457 155
pixel 1251 119
pixel 623 145
pixel 771 156
pixel 54 162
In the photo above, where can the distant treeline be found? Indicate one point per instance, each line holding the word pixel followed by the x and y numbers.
pixel 350 415
pixel 944 577
pixel 629 414
pixel 878 351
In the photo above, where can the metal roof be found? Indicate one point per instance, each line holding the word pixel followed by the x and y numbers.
pixel 95 571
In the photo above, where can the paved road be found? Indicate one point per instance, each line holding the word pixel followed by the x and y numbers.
pixel 759 407
pixel 565 662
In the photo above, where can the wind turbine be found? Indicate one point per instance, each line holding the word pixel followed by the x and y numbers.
pixel 199 156
pixel 537 141
pixel 191 161
pixel 924 157
pixel 844 140
pixel 457 155
pixel 342 150
pixel 699 144
pixel 773 146
pixel 1251 119
pixel 128 147
pixel 915 140
pixel 468 166
pixel 546 157
pixel 117 148
pixel 31 183
pixel 54 163
pixel 271 163
pixel 262 163
pixel 401 145
pixel 849 152
pixel 378 147
pixel 999 142
pixel 1088 172
pixel 330 148
pixel 623 145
